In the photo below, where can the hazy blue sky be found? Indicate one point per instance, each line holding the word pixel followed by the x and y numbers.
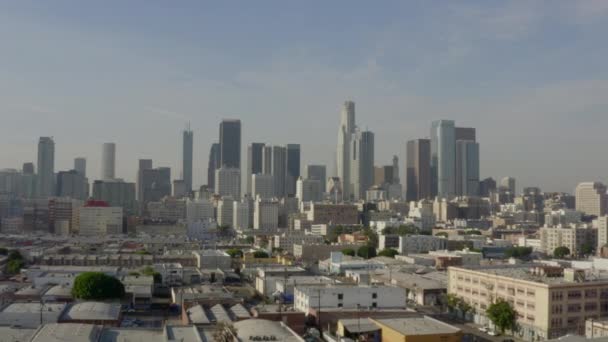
pixel 531 76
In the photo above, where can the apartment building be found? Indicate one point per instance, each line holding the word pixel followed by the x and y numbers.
pixel 574 237
pixel 550 301
pixel 348 297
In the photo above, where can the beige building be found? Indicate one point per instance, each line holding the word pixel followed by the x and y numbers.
pixel 93 220
pixel 572 237
pixel 602 232
pixel 333 213
pixel 550 301
pixel 591 198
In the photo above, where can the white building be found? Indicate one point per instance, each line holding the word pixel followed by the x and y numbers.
pixel 241 215
pixel 422 212
pixel 225 211
pixel 262 185
pixel 266 214
pixel 213 259
pixel 286 241
pixel 199 210
pixel 228 182
pixel 99 220
pixel 348 297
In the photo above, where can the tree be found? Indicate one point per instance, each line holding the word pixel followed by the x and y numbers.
pixel 587 249
pixel 561 252
pixel 259 254
pixel 15 255
pixel 348 251
pixel 149 271
pixel 388 252
pixel 444 234
pixel 235 253
pixel 372 237
pixel 472 232
pixel 250 240
pixel 366 252
pixel 97 286
pixel 518 252
pixel 502 315
pixel 142 252
pixel 14 266
pixel 224 332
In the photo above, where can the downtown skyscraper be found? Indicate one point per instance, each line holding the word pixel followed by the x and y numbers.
pixel 361 163
pixel 213 164
pixel 108 161
pixel 293 168
pixel 230 144
pixel 443 156
pixel 343 156
pixel 255 163
pixel 45 185
pixel 418 173
pixel 187 156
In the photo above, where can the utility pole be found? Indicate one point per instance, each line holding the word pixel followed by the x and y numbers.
pixel 319 312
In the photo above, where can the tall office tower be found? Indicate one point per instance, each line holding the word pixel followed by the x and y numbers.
pixel 317 172
pixel 213 164
pixel 117 193
pixel 343 155
pixel 591 198
pixel 46 167
pixel 361 163
pixel 293 168
pixel 80 165
pixel 443 155
pixel 262 185
pixel 144 164
pixel 465 133
pixel 72 184
pixel 487 187
pixel 228 182
pixel 467 168
pixel 254 162
pixel 187 155
pixel 396 179
pixel 418 170
pixel 509 184
pixel 230 144
pixel 308 190
pixel 275 164
pixel 108 161
pixel 28 168
pixel 199 210
pixel 156 184
pixel 241 214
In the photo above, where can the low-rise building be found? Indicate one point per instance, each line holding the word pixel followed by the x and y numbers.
pixel 347 297
pixel 417 329
pixel 412 243
pixel 101 313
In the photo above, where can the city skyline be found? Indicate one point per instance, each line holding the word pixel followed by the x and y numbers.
pixel 479 65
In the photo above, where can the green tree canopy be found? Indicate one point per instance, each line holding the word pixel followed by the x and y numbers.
pixel 406 229
pixel 142 252
pixel 14 266
pixel 587 249
pixel 250 239
pixel 97 286
pixel 348 251
pixel 502 315
pixel 518 252
pixel 15 255
pixel 444 234
pixel 235 253
pixel 259 254
pixel 561 252
pixel 366 252
pixel 388 252
pixel 149 271
pixel 472 232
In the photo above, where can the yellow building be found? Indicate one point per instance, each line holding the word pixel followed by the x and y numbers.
pixel 417 329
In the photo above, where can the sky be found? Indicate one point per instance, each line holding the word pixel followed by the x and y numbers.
pixel 531 76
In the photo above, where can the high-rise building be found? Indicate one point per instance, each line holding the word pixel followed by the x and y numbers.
pixel 46 167
pixel 467 168
pixel 117 193
pixel 255 162
pixel 396 179
pixel 443 155
pixel 225 211
pixel 266 214
pixel 213 164
pixel 156 184
pixel 343 155
pixel 28 168
pixel 241 214
pixel 199 210
pixel 187 156
pixel 80 165
pixel 591 198
pixel 72 184
pixel 230 144
pixel 228 182
pixel 108 161
pixel 418 170
pixel 317 172
pixel 487 187
pixel 97 219
pixel 508 183
pixel 262 185
pixel 293 168
pixel 275 163
pixel 361 163
pixel 308 190
pixel 465 133
pixel 144 164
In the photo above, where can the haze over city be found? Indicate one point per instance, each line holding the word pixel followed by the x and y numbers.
pixel 529 76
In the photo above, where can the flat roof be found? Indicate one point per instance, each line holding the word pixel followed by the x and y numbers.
pixel 93 311
pixel 522 272
pixel 131 335
pixel 73 332
pixel 16 334
pixel 418 326
pixel 252 328
pixel 181 333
